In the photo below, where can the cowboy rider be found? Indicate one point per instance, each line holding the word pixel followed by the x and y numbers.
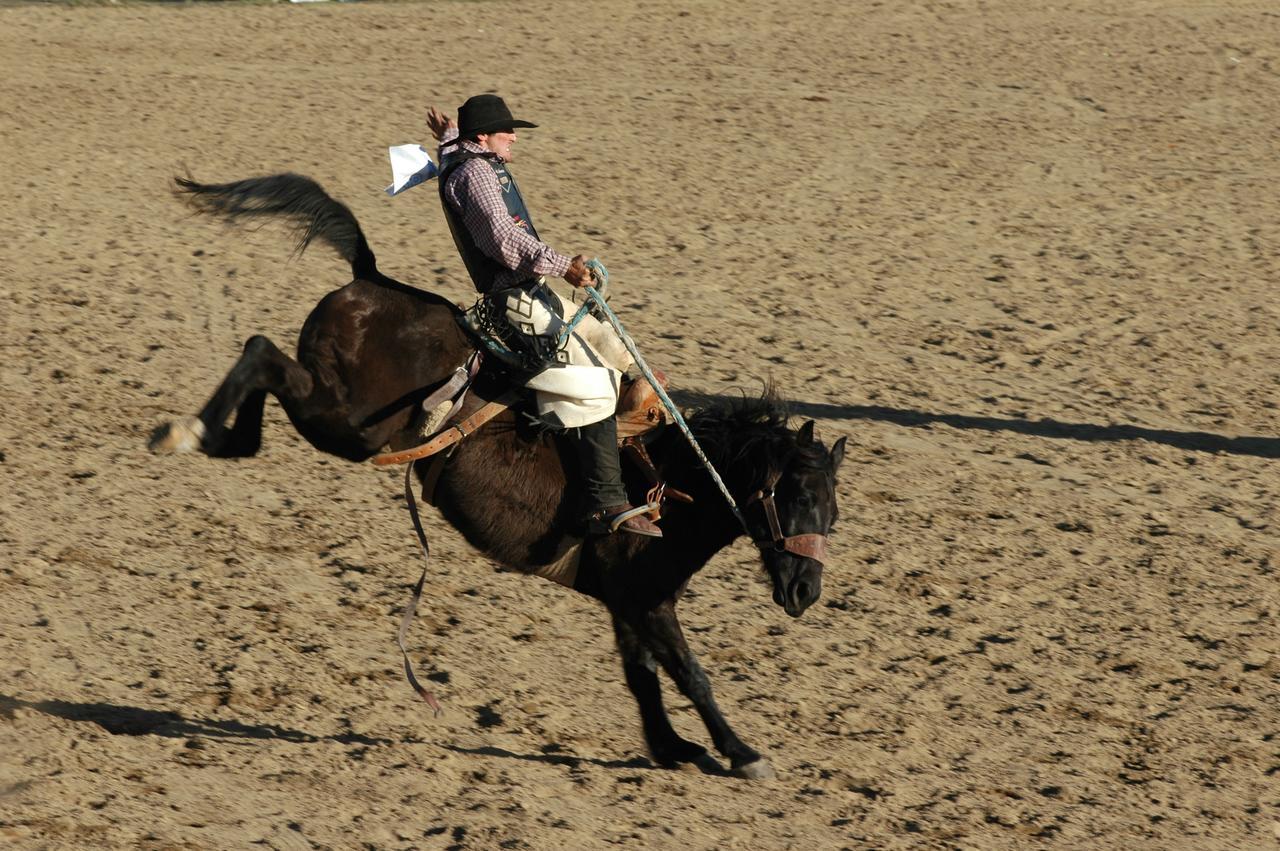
pixel 504 256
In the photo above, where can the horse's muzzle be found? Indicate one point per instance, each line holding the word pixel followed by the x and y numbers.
pixel 800 590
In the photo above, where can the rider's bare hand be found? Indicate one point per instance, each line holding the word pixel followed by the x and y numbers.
pixel 578 274
pixel 439 123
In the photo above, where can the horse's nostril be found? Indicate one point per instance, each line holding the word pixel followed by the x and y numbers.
pixel 804 592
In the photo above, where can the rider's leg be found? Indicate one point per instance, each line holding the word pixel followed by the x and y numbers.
pixel 602 473
pixel 601 465
pixel 537 315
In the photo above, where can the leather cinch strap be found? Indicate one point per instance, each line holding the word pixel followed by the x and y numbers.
pixel 449 436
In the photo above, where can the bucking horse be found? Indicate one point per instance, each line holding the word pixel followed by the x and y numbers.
pixel 372 351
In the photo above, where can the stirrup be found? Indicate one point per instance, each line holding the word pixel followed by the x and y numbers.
pixel 601 524
pixel 621 517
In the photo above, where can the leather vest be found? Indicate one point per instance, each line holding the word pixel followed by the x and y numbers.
pixel 482 268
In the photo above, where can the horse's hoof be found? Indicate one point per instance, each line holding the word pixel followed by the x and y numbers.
pixel 182 435
pixel 758 770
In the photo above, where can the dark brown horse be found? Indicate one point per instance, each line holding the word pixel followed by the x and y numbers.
pixel 372 350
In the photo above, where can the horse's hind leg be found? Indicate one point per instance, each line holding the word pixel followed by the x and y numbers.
pixel 244 438
pixel 665 745
pixel 261 369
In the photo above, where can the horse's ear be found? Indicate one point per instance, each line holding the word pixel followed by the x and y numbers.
pixel 837 454
pixel 805 435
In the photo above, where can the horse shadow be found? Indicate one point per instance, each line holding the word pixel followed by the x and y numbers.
pixel 1193 441
pixel 551 755
pixel 135 721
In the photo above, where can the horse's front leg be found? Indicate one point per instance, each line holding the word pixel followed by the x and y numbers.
pixel 638 666
pixel 660 629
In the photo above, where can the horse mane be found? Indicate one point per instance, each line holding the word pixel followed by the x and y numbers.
pixel 752 432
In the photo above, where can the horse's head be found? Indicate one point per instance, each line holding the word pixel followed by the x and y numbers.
pixel 791 515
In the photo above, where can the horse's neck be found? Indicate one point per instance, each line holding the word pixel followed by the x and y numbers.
pixel 712 521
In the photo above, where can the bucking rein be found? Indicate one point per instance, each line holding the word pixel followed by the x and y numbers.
pixel 808 545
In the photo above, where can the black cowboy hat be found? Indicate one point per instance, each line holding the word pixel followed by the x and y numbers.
pixel 486 114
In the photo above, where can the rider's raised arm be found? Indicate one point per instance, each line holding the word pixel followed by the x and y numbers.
pixel 448 143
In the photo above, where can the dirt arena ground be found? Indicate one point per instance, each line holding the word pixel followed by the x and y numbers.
pixel 1024 255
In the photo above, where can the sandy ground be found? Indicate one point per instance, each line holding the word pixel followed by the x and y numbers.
pixel 1024 256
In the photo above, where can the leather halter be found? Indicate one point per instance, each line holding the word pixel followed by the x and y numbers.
pixel 809 545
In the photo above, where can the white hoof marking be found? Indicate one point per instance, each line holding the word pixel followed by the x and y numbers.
pixel 758 770
pixel 182 435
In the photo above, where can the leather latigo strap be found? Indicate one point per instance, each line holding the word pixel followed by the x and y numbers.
pixel 635 449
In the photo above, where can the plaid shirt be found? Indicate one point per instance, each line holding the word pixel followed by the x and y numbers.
pixel 473 192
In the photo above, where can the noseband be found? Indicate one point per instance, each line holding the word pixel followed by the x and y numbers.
pixel 809 545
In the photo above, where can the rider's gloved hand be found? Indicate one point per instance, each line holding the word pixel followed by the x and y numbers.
pixel 578 275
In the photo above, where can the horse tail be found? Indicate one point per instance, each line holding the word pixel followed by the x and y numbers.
pixel 300 200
